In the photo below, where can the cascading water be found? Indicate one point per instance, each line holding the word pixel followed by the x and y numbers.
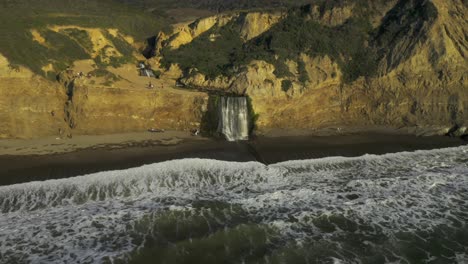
pixel 233 118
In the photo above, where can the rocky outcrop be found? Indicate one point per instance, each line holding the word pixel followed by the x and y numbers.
pixel 197 80
pixel 256 23
pixel 185 33
pixel 250 26
pixel 330 17
pixel 321 71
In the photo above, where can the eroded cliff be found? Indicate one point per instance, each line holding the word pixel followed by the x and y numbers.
pixel 420 77
pixel 396 64
pixel 30 106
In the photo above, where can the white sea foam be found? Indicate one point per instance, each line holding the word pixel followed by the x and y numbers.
pixel 66 220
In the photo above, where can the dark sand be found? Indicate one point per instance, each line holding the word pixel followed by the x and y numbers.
pixel 18 169
pixel 274 150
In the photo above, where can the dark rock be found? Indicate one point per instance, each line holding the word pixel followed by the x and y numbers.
pixel 452 131
pixel 352 196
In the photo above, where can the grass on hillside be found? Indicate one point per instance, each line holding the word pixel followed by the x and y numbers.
pixel 346 44
pixel 19 17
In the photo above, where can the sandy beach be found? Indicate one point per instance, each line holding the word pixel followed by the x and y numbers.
pixel 49 158
pixel 54 145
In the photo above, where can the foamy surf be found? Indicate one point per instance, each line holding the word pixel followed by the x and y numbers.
pixel 325 206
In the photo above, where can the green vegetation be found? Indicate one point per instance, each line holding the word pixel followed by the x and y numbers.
pixel 345 44
pixel 104 73
pixel 303 76
pixel 253 117
pixel 286 85
pixel 19 17
pixel 80 36
pixel 157 73
pixel 108 56
pixel 219 5
pixel 351 45
pixel 210 57
pixel 122 46
pixel 403 22
pixel 56 55
pixel 210 119
pixel 109 77
pixel 130 17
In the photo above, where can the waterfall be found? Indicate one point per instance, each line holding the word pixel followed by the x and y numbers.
pixel 233 118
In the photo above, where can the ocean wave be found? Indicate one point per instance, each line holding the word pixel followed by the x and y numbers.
pixel 66 220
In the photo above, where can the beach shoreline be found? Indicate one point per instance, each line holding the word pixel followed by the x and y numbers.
pixel 61 145
pixel 38 160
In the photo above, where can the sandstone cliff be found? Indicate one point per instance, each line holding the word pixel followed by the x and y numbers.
pixel 251 25
pixel 421 79
pixel 113 99
pixel 101 110
pixel 30 106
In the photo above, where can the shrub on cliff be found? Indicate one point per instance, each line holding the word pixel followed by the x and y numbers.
pixel 19 17
pixel 346 44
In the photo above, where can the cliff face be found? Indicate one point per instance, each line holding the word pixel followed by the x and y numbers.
pixel 250 25
pixel 420 81
pixel 102 110
pixel 113 99
pixel 29 105
pixel 186 33
pixel 419 49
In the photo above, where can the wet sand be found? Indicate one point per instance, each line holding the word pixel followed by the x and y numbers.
pixel 25 168
pixel 54 145
pixel 279 149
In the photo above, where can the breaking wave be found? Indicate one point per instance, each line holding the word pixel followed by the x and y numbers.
pixel 373 209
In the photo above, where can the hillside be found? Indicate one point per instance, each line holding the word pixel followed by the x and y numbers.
pixel 390 63
pixel 218 5
pixel 343 63
pixel 48 35
pixel 42 38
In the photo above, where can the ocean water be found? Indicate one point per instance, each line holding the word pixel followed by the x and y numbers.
pixel 393 208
